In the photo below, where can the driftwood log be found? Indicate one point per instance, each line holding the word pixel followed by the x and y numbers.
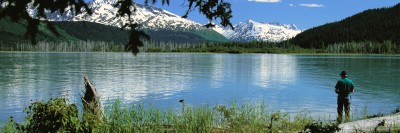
pixel 375 125
pixel 91 102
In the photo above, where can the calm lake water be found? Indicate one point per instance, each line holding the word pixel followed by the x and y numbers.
pixel 290 83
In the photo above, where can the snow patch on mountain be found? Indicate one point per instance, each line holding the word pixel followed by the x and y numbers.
pixel 259 31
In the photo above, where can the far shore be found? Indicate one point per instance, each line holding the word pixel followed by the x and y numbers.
pixel 305 54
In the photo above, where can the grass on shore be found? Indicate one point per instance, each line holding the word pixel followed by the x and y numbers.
pixel 57 115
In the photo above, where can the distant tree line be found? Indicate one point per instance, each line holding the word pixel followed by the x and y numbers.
pixel 228 47
pixel 387 47
pixel 81 46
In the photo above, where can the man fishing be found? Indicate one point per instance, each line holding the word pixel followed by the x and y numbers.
pixel 344 88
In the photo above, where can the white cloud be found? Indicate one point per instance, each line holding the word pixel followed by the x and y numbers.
pixel 291 5
pixel 268 1
pixel 312 5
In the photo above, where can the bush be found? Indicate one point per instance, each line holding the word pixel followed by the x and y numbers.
pixel 319 127
pixel 55 115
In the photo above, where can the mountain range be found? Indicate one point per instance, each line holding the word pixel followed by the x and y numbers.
pixel 161 25
pixel 158 22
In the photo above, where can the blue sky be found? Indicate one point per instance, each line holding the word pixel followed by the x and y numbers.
pixel 303 13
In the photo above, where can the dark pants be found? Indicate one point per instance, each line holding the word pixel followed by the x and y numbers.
pixel 343 102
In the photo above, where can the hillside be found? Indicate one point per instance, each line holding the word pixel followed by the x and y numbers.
pixel 11 32
pixel 91 31
pixel 374 25
pixel 72 31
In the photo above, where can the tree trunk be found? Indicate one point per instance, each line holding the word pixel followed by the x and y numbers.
pixel 91 102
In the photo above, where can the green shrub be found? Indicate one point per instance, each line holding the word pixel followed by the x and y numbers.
pixel 319 127
pixel 55 115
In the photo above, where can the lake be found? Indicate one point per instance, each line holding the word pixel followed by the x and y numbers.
pixel 290 83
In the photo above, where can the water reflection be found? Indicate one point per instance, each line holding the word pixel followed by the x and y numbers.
pixel 217 73
pixel 159 77
pixel 275 71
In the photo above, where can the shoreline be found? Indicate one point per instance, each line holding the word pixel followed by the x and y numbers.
pixel 304 54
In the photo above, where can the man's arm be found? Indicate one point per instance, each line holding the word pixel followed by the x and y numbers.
pixel 337 87
pixel 352 87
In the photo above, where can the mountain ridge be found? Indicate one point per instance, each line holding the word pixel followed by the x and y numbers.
pixel 251 30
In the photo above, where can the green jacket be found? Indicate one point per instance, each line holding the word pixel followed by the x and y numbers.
pixel 344 87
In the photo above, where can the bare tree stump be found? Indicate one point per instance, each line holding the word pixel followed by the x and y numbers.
pixel 91 101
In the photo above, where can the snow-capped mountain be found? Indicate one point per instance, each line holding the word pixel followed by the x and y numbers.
pixel 260 31
pixel 149 17
pixel 159 22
